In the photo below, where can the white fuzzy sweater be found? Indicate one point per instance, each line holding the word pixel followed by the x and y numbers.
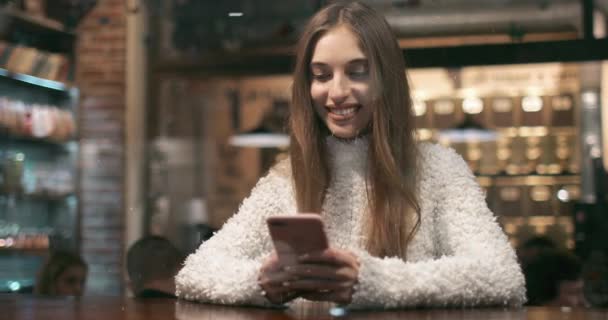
pixel 458 257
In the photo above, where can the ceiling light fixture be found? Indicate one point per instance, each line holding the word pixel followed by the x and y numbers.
pixel 269 133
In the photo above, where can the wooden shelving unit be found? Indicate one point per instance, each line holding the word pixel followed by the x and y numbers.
pixel 41 210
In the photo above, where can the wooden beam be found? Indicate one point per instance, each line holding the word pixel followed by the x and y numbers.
pixel 444 56
pixel 482 39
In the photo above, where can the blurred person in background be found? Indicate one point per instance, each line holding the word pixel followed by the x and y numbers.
pixel 554 278
pixel 152 263
pixel 63 274
pixel 528 250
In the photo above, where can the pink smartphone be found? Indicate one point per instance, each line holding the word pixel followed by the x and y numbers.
pixel 294 235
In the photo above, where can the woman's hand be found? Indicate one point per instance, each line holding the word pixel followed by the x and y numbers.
pixel 273 279
pixel 325 276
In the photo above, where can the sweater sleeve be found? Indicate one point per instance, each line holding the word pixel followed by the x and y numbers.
pixel 475 265
pixel 224 269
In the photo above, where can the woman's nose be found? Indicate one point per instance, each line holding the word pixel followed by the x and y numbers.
pixel 338 91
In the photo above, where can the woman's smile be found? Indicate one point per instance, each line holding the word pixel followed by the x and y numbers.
pixel 343 113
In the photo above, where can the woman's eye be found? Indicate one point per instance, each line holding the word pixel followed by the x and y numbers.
pixel 358 73
pixel 321 76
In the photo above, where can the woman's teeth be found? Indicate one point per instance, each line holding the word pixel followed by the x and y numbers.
pixel 344 112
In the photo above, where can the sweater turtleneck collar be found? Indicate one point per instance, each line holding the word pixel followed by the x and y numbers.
pixel 347 155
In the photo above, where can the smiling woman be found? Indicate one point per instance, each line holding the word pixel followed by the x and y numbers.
pixel 407 224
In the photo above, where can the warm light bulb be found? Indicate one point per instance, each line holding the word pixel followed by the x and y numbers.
pixel 563 195
pixel 419 108
pixel 589 99
pixel 472 105
pixel 532 103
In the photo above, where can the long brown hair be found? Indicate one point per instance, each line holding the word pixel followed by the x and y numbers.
pixel 393 210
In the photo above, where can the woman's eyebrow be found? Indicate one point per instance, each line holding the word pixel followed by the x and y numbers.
pixel 318 64
pixel 362 61
pixel 354 61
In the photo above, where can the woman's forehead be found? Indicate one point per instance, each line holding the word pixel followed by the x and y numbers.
pixel 337 46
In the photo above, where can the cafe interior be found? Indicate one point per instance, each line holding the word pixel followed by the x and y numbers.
pixel 121 119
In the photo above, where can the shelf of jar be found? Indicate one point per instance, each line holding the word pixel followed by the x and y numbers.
pixel 25 243
pixel 36 81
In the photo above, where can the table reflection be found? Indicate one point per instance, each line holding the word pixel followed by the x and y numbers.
pixel 29 307
pixel 312 310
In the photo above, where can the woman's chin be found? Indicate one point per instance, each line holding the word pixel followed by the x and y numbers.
pixel 349 132
pixel 344 134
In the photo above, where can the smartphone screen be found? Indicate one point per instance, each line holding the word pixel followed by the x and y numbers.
pixel 294 235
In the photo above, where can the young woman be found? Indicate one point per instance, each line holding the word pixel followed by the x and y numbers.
pixel 407 223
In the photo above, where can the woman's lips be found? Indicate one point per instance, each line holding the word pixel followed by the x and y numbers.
pixel 342 113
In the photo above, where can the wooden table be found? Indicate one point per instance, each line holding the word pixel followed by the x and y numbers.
pixel 24 307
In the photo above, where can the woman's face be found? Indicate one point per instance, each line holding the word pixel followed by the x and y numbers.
pixel 340 87
pixel 71 281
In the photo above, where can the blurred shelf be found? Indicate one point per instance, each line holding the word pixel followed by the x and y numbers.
pixel 13 250
pixel 531 179
pixel 20 27
pixel 41 23
pixel 37 82
pixel 49 197
pixel 6 137
pixel 504 175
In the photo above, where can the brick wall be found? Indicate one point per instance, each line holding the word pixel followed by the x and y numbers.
pixel 100 58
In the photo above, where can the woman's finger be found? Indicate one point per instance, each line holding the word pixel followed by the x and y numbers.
pixel 273 288
pixel 341 297
pixel 271 263
pixel 317 285
pixel 330 256
pixel 321 271
pixel 280 296
pixel 275 279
